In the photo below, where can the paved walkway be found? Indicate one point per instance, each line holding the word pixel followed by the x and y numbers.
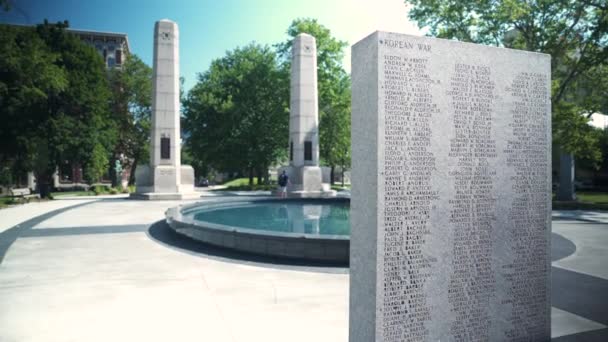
pixel 90 269
pixel 581 215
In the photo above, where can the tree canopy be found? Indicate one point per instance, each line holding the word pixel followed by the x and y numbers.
pixel 573 32
pixel 131 103
pixel 55 102
pixel 29 76
pixel 236 115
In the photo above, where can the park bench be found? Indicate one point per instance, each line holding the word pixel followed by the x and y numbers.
pixel 22 193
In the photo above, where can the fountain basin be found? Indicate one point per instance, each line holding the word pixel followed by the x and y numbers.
pixel 310 229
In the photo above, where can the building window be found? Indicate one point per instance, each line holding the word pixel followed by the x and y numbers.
pixel 308 150
pixel 291 151
pixel 165 150
pixel 118 57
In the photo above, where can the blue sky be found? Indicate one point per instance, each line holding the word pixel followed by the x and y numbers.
pixel 209 28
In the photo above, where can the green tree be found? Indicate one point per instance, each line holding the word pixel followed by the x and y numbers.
pixel 78 122
pixel 97 164
pixel 131 108
pixel 54 100
pixel 333 88
pixel 336 129
pixel 29 78
pixel 573 32
pixel 601 168
pixel 236 115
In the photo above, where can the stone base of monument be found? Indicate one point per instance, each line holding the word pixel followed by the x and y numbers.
pixel 306 182
pixel 312 194
pixel 161 183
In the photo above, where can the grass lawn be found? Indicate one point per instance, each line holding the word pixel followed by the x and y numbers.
pixel 6 201
pixel 585 200
pixel 72 193
pixel 243 184
pixel 240 182
pixel 593 197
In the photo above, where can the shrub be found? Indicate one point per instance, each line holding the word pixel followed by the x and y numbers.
pixel 100 190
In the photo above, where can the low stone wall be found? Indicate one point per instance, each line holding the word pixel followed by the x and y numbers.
pixel 331 248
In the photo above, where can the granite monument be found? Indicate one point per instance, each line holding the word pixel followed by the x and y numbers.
pixel 165 177
pixel 451 192
pixel 305 175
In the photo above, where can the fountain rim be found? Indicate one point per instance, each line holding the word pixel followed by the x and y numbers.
pixel 176 215
pixel 283 245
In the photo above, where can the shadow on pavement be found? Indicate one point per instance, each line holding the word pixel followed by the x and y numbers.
pixel 600 335
pixel 162 233
pixel 580 294
pixel 561 247
pixel 9 236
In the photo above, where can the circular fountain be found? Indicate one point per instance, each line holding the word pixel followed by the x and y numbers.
pixel 311 229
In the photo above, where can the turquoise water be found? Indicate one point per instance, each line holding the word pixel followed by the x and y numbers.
pixel 316 219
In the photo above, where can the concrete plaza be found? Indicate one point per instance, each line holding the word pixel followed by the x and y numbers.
pixel 108 269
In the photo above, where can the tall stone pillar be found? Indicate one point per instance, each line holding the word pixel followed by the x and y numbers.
pixel 165 134
pixel 304 113
pixel 305 174
pixel 165 177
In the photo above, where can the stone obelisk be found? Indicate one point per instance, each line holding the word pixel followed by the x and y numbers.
pixel 305 175
pixel 165 177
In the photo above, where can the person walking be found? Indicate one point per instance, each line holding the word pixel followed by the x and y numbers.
pixel 283 182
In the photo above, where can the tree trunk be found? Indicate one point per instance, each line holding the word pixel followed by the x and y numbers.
pixel 331 175
pixel 342 167
pixel 132 174
pixel 113 173
pixel 251 176
pixel 45 184
pixel 260 181
pixel 42 170
pixel 266 178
